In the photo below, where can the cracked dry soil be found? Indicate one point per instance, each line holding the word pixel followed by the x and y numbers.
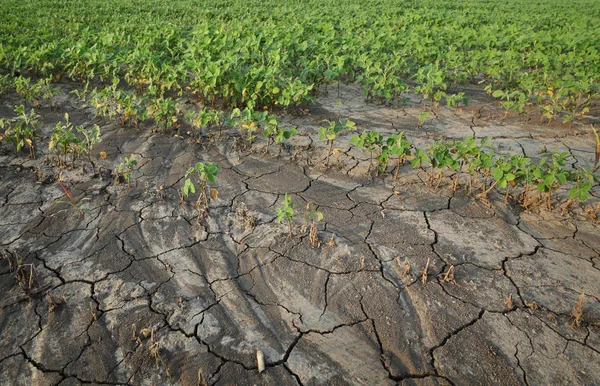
pixel 134 291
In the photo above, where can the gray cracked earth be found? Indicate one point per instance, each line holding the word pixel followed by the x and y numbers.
pixel 136 292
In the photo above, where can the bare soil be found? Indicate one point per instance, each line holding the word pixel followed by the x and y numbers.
pixel 411 285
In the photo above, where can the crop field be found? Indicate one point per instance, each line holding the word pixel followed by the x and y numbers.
pixel 309 192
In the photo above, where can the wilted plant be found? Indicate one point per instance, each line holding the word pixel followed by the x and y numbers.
pixel 204 172
pixel 21 129
pixel 125 169
pixel 312 218
pixel 25 274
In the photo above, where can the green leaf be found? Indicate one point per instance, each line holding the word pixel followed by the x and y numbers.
pixel 497 173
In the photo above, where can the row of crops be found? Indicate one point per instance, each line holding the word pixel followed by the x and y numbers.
pixel 532 56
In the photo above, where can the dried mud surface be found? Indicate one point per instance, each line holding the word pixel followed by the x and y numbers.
pixel 136 292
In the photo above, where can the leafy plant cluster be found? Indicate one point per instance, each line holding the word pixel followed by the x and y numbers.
pixel 233 54
pixel 21 129
pixel 476 166
pixel 64 141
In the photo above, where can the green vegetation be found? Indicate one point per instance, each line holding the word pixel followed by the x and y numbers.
pixel 236 63
pixel 21 129
pixel 125 170
pixel 529 55
pixel 286 213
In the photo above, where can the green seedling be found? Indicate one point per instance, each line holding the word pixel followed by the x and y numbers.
pixel 249 121
pixel 419 158
pixel 64 141
pixel 21 129
pixel 370 140
pixel 455 100
pixel 333 129
pixel 502 172
pixel 398 145
pixel 440 158
pixel 286 213
pixel 165 112
pixel 422 118
pixel 125 170
pixel 91 136
pixel 584 179
pixel 202 119
pixel 549 173
pixel 204 172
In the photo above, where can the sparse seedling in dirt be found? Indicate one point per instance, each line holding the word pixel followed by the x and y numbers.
pixel 333 129
pixel 81 207
pixel 125 170
pixel 25 274
pixel 397 145
pixel 372 141
pixel 286 213
pixel 577 313
pixel 422 118
pixel 21 129
pixel 312 217
pixel 64 141
pixel 204 172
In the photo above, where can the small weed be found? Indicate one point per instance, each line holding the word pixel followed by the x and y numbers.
pixel 64 141
pixel 80 207
pixel 422 118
